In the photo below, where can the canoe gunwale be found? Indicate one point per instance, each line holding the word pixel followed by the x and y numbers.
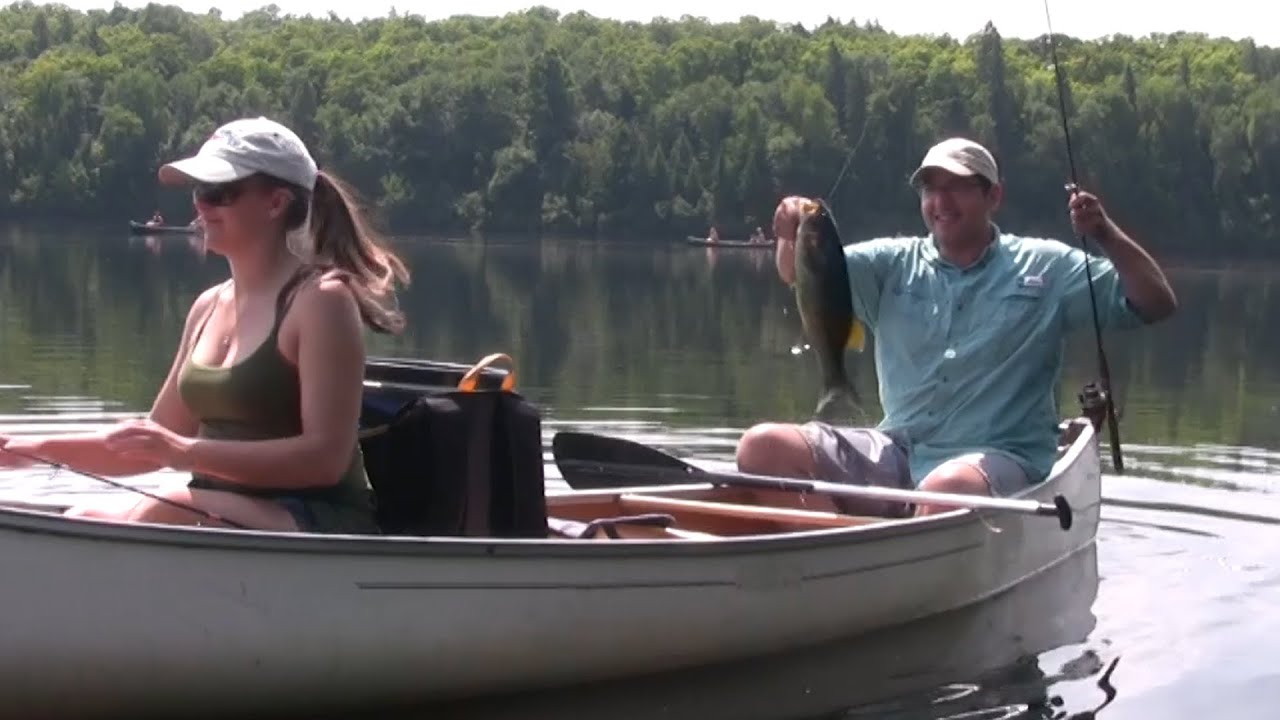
pixel 23 520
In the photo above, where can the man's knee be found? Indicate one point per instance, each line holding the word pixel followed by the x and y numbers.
pixel 775 449
pixel 955 477
pixel 958 477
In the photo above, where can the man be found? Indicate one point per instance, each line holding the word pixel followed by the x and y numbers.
pixel 969 325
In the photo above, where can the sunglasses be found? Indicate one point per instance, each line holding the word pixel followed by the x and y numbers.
pixel 219 194
pixel 949 188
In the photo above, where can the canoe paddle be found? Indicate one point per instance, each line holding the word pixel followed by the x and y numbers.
pixel 591 461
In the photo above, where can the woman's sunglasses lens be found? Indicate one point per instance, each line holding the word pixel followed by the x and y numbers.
pixel 217 194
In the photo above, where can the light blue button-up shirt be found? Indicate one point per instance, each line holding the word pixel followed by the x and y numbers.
pixel 969 359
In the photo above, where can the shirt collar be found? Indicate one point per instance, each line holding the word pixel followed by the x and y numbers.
pixel 932 255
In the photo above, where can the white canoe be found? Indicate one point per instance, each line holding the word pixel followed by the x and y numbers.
pixel 104 619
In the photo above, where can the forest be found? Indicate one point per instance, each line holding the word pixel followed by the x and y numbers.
pixel 538 123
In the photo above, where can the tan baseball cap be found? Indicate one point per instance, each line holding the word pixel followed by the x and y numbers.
pixel 961 157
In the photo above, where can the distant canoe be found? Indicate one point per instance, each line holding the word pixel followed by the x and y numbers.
pixel 137 228
pixel 747 244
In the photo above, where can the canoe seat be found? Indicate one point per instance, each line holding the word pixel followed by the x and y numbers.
pixel 646 525
pixel 572 528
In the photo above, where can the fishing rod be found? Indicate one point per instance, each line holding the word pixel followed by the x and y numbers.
pixel 849 158
pixel 57 466
pixel 1074 188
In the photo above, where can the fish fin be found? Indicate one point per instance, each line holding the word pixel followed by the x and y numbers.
pixel 857 336
pixel 829 405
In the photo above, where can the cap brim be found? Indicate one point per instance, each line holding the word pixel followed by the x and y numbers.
pixel 948 165
pixel 203 169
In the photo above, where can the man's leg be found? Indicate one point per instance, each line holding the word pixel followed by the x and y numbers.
pixel 974 474
pixel 819 451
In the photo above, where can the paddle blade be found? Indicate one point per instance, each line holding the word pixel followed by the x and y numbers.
pixel 588 461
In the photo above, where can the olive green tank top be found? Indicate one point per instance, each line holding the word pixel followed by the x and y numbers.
pixel 259 398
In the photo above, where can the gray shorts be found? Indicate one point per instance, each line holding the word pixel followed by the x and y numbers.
pixel 867 456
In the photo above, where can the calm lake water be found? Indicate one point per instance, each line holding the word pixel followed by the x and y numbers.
pixel 684 348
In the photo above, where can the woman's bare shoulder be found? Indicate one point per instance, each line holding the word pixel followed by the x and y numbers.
pixel 203 303
pixel 328 299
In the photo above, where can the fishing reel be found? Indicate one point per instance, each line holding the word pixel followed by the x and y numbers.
pixel 1093 404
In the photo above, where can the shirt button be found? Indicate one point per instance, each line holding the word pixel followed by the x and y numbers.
pixel 950 354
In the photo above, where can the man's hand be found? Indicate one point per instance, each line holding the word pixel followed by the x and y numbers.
pixel 1088 217
pixel 786 220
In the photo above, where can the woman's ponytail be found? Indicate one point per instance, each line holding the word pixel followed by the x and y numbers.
pixel 345 242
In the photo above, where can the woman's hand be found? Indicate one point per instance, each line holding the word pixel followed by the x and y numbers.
pixel 16 452
pixel 146 441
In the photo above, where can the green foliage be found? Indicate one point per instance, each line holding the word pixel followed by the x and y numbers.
pixel 536 122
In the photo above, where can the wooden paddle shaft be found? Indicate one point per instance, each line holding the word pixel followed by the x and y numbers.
pixel 583 457
pixel 1059 509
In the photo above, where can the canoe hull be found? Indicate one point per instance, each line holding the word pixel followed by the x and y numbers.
pixel 115 619
pixel 730 244
pixel 137 228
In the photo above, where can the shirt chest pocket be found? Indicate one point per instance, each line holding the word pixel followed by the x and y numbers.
pixel 1021 302
pixel 1014 319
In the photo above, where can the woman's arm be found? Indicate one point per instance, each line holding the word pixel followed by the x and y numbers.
pixel 90 451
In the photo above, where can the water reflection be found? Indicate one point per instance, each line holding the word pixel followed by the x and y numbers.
pixel 158 244
pixel 601 325
pixel 1024 652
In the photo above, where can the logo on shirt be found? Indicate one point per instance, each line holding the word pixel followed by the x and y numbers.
pixel 1031 281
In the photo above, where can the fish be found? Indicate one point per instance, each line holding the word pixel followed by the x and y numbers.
pixel 825 302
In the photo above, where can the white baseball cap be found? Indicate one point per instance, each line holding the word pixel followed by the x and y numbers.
pixel 961 157
pixel 244 147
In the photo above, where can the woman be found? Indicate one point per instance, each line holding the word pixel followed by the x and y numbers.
pixel 262 401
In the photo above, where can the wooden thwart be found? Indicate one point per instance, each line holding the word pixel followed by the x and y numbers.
pixel 634 502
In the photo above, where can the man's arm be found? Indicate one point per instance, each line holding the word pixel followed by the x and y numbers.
pixel 1145 284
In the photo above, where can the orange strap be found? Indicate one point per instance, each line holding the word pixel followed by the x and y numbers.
pixel 472 377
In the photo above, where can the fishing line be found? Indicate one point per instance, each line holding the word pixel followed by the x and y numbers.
pixel 849 158
pixel 1074 188
pixel 57 466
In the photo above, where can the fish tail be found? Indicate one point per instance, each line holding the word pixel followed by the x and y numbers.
pixel 857 339
pixel 840 398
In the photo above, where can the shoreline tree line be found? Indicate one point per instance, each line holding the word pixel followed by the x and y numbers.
pixel 538 123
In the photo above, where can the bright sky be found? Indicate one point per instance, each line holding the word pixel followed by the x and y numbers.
pixel 1020 18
